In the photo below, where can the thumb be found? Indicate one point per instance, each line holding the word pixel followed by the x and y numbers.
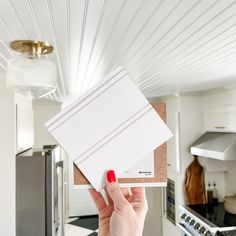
pixel 114 190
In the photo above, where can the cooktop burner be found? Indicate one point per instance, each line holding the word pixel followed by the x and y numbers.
pixel 216 214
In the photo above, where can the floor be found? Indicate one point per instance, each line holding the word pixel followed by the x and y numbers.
pixel 82 226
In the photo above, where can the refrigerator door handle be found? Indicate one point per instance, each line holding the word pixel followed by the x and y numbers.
pixel 59 169
pixel 163 195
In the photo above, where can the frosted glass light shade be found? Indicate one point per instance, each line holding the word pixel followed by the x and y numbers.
pixel 32 76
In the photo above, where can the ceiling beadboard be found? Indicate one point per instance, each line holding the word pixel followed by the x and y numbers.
pixel 167 46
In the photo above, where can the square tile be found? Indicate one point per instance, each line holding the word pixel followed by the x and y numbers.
pixel 71 219
pixel 71 230
pixel 88 222
pixel 93 234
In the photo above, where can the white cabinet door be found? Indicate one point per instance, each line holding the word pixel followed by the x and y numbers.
pixel 221 119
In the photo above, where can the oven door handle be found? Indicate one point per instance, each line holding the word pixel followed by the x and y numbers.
pixel 183 228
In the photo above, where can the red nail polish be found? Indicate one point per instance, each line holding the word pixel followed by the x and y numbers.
pixel 111 176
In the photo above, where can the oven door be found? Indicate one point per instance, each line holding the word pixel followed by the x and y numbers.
pixel 186 231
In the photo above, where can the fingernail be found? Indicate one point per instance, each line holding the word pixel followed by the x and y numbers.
pixel 111 176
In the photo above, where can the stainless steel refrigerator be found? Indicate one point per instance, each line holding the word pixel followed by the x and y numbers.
pixel 39 192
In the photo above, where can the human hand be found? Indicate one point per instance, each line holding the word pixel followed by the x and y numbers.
pixel 125 212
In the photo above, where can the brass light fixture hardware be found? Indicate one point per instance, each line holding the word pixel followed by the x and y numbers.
pixel 31 46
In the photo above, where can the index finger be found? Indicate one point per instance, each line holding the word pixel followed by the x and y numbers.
pixel 139 192
pixel 98 199
pixel 125 191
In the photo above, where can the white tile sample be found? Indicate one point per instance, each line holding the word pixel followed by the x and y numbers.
pixel 112 126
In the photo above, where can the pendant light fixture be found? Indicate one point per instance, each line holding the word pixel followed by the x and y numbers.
pixel 31 73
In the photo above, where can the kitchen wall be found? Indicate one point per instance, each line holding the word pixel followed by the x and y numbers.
pixel 24 123
pixel 43 111
pixel 230 177
pixel 7 159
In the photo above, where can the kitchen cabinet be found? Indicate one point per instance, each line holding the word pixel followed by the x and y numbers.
pixel 24 123
pixel 220 119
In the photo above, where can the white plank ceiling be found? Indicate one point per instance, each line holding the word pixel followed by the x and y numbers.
pixel 167 46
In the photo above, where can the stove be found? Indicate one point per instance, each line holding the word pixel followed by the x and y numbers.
pixel 207 220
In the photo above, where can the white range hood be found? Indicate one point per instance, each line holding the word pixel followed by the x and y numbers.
pixel 217 145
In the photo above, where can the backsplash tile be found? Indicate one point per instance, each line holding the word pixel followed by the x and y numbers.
pixel 230 178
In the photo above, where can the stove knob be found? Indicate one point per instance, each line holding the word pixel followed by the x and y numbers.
pixel 188 219
pixel 192 222
pixel 183 216
pixel 202 230
pixel 196 226
pixel 208 233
